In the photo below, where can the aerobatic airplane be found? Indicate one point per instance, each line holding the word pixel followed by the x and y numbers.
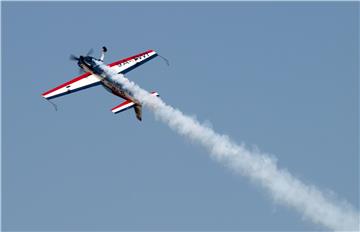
pixel 95 75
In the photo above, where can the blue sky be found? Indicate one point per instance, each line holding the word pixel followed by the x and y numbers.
pixel 281 76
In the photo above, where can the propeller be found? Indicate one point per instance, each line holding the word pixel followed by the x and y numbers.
pixel 91 51
pixel 73 57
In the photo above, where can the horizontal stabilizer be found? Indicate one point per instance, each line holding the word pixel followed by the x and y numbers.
pixel 127 104
pixel 123 106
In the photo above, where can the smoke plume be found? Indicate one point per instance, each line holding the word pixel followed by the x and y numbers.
pixel 261 168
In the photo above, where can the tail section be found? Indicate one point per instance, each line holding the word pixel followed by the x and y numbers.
pixel 138 111
pixel 128 104
pixel 155 94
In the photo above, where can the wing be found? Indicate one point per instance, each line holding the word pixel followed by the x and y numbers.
pixel 88 80
pixel 125 65
pixel 84 81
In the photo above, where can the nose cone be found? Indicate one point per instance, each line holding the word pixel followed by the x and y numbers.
pixel 80 61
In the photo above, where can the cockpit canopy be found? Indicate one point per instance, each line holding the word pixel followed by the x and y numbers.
pixel 89 61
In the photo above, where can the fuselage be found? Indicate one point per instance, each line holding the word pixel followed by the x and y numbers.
pixel 92 65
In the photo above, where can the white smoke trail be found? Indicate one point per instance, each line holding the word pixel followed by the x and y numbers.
pixel 259 167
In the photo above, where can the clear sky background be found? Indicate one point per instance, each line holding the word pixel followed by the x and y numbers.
pixel 281 76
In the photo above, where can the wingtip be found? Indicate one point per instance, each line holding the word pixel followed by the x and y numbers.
pixel 44 96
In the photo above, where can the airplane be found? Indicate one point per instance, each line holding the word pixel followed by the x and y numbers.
pixel 95 75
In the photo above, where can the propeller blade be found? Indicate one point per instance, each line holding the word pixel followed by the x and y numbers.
pixel 91 51
pixel 73 57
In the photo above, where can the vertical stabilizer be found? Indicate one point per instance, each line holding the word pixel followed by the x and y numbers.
pixel 138 111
